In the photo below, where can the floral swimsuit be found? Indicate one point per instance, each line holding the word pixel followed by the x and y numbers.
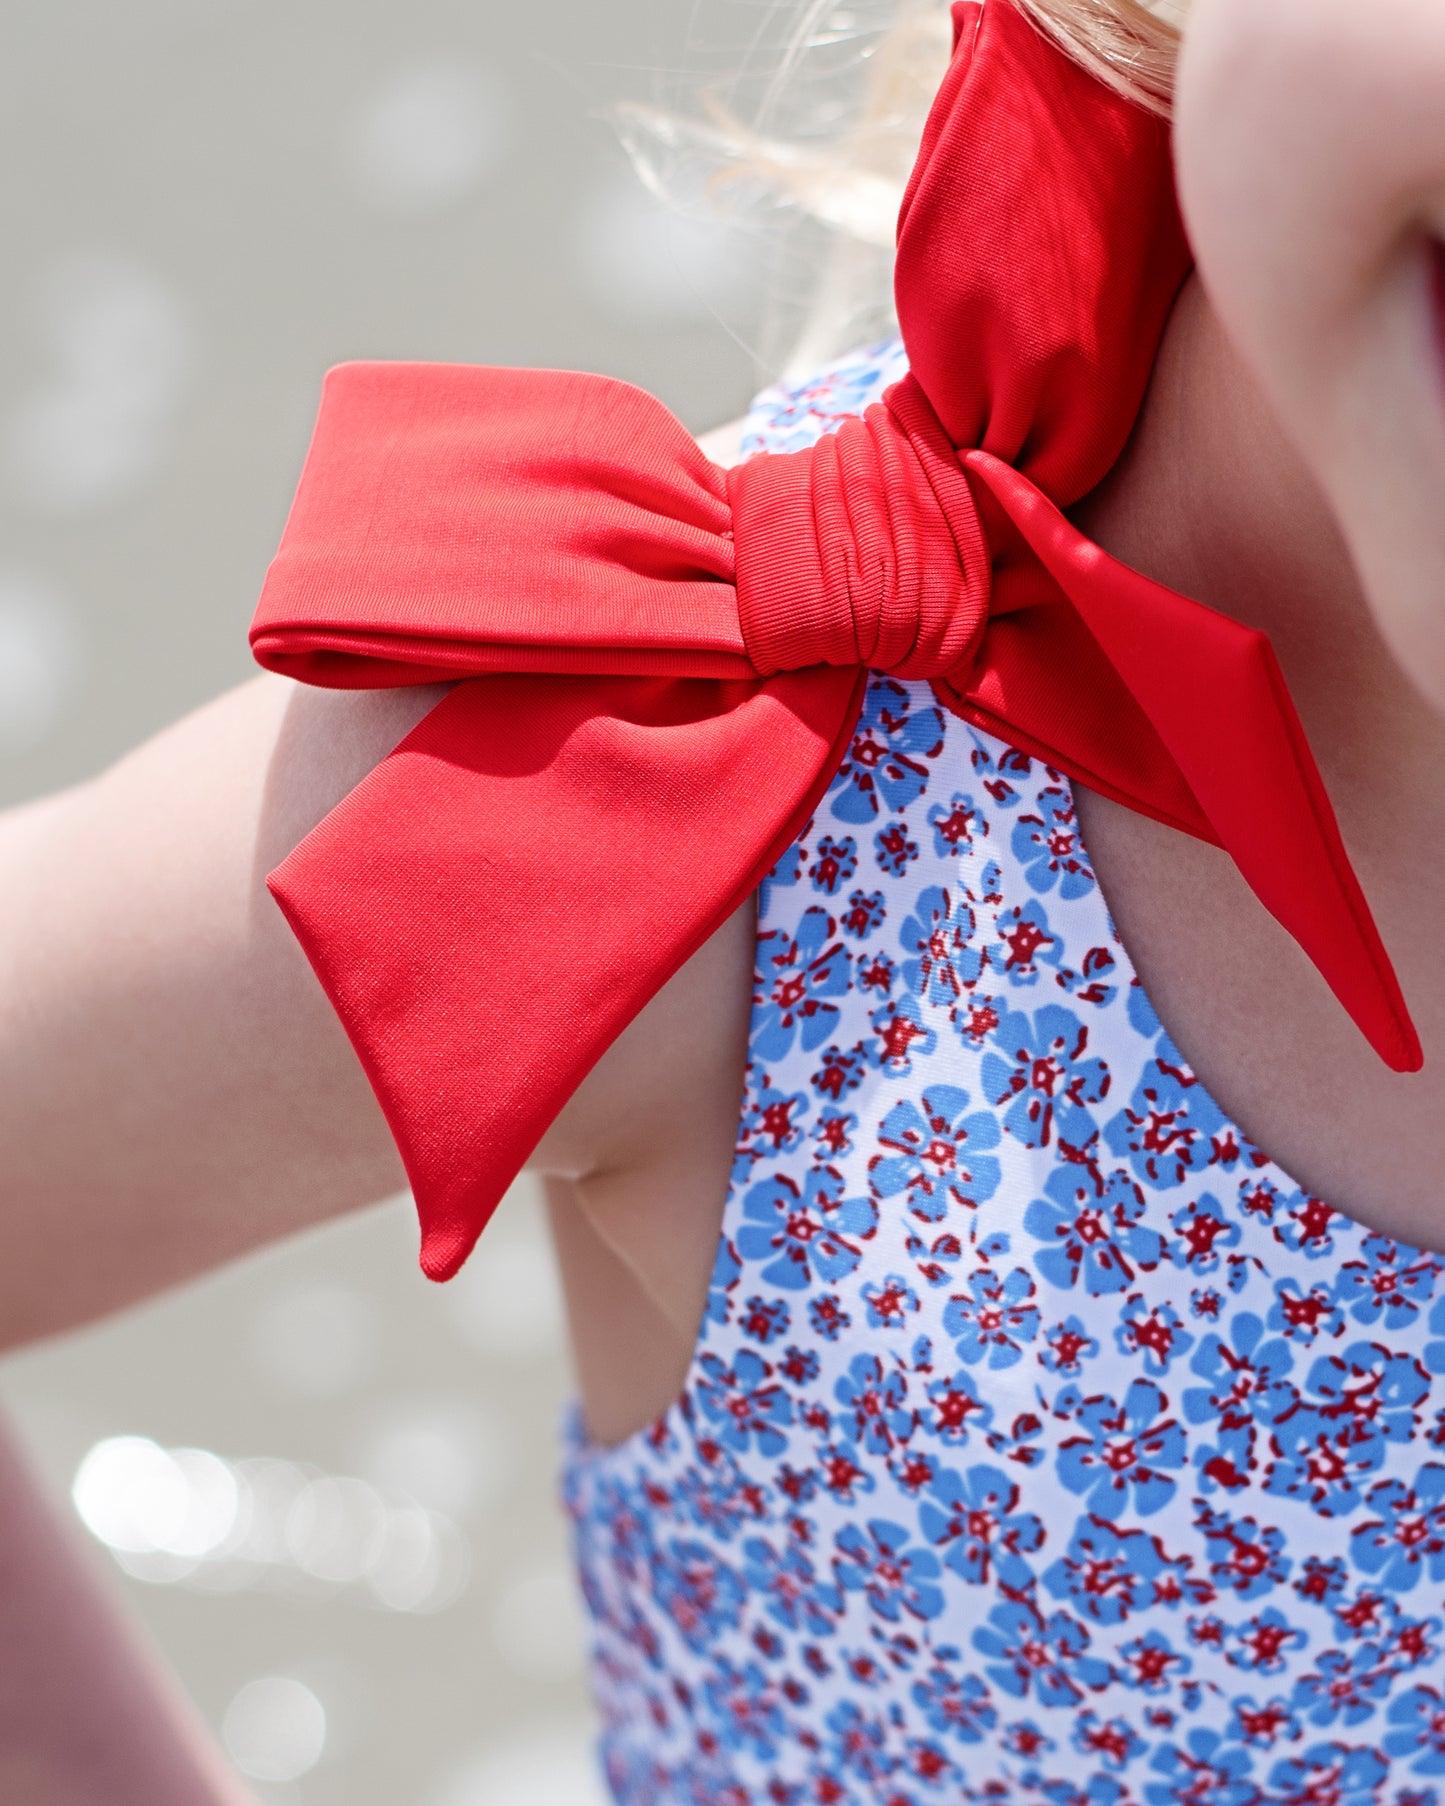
pixel 1043 1439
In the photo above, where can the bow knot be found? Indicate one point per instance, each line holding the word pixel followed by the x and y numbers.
pixel 864 549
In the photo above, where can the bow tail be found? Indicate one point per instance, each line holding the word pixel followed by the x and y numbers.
pixel 503 894
pixel 1213 696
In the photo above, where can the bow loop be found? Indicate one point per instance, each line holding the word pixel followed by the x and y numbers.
pixel 864 549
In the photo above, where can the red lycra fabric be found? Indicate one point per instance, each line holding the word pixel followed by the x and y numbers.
pixel 664 661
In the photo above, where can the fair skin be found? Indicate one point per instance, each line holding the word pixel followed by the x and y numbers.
pixel 135 1737
pixel 173 1089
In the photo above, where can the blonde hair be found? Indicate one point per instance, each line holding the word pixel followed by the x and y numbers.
pixel 1128 44
pixel 809 145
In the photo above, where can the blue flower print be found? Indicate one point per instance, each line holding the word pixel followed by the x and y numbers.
pixel 798 413
pixel 790 1589
pixel 1042 1077
pixel 875 972
pixel 764 1319
pixel 1321 1581
pixel 956 1409
pixel 1024 1739
pixel 954 825
pixel 1108 1573
pixel 886 766
pixel 1404 1539
pixel 807 1229
pixel 894 850
pixel 1001 770
pixel 1118 1458
pixel 1352 1405
pixel 894 1577
pixel 1258 1199
pixel 1246 1388
pixel 1321 1463
pixel 772 1123
pixel 938 1154
pixel 841 1474
pixel 1046 844
pixel 1389 1283
pixel 1030 1654
pixel 716 1500
pixel 744 1403
pixel 1114 1741
pixel 941 963
pixel 903 1035
pixel 1086 984
pixel 726 1271
pixel 1371 1616
pixel 748 1707
pixel 827 1316
pixel 1343 1688
pixel 955 1703
pixel 993 1317
pixel 1419 1735
pixel 1098 1790
pixel 1143 1018
pixel 934 1256
pixel 858 1746
pixel 1265 1643
pixel 890 1302
pixel 799 1366
pixel 1412 1643
pixel 842 1071
pixel 1335 1772
pixel 702 1595
pixel 1019 1439
pixel 928 1761
pixel 1151 1663
pixel 866 912
pixel 976 1019
pixel 914 1469
pixel 1263 1726
pixel 985 884
pixel 1304 1314
pixel 1067 1346
pixel 797 978
pixel 1092 1235
pixel 974 1518
pixel 1306 1226
pixel 1201 1231
pixel 1202 1770
pixel 833 864
pixel 834 1131
pixel 1168 1129
pixel 1434 1356
pixel 876 1400
pixel 1155 1333
pixel 1245 1558
pixel 1023 945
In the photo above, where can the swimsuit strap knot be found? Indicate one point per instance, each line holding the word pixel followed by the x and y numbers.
pixel 864 549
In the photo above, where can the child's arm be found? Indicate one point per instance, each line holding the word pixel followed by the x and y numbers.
pixel 88 1716
pixel 174 1088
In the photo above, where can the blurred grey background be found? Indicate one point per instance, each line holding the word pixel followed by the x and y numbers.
pixel 325 1485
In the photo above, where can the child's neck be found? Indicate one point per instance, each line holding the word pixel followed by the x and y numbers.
pixel 1210 498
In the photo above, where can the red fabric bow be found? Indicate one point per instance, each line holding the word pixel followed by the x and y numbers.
pixel 672 657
